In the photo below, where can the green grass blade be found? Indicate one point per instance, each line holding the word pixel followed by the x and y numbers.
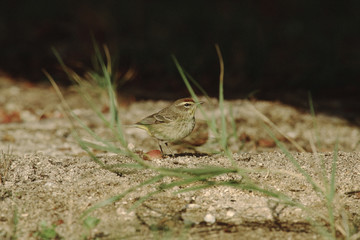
pixel 194 188
pixel 223 133
pixel 315 125
pixel 193 81
pixel 207 170
pixel 294 162
pixel 101 147
pixel 15 222
pixel 332 190
pixel 126 165
pixel 144 198
pixel 120 196
pixel 333 171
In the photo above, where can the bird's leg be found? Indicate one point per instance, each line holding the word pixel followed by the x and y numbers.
pixel 162 152
pixel 167 146
pixel 172 154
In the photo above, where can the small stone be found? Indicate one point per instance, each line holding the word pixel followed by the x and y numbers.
pixel 267 143
pixel 211 208
pixel 124 213
pixel 49 184
pixel 153 154
pixel 193 206
pixel 209 218
pixel 121 211
pixel 131 147
pixel 230 213
pixel 292 135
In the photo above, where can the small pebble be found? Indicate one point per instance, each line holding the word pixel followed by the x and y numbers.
pixel 153 154
pixel 131 147
pixel 230 213
pixel 193 206
pixel 209 218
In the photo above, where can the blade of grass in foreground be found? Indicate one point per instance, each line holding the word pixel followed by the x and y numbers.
pixel 223 132
pixel 120 196
pixel 330 195
pixel 327 194
pixel 308 178
pixel 317 145
pixel 197 85
pixel 315 126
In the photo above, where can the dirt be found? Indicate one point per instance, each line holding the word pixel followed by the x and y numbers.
pixel 48 181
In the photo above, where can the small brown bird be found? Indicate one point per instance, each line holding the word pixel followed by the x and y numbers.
pixel 172 123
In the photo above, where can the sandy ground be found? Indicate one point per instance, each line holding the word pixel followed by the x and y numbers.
pixel 48 181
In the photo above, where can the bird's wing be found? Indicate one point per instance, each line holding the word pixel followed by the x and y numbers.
pixel 160 117
pixel 148 120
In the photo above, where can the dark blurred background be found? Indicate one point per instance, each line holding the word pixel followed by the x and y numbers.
pixel 279 49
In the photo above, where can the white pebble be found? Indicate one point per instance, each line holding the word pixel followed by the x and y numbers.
pixel 131 146
pixel 193 206
pixel 292 135
pixel 230 213
pixel 209 218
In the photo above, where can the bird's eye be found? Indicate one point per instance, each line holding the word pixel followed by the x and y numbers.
pixel 187 104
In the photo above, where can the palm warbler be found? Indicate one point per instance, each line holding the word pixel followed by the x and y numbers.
pixel 172 123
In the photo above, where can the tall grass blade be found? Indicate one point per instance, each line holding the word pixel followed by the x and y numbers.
pixel 315 125
pixel 120 196
pixel 201 89
pixel 308 178
pixel 331 193
pixel 223 136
